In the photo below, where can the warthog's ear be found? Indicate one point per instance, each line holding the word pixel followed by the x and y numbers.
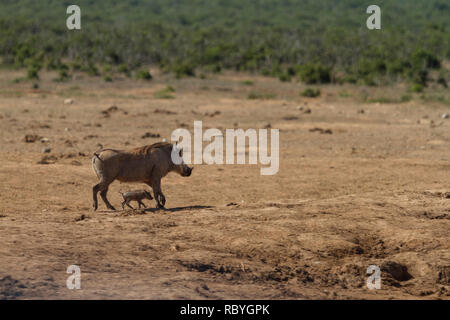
pixel 181 149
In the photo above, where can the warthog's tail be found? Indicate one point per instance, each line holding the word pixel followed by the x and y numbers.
pixel 98 157
pixel 96 168
pixel 96 153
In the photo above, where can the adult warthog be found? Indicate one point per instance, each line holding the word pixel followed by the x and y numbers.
pixel 148 164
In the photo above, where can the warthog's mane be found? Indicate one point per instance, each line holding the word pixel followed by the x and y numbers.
pixel 148 149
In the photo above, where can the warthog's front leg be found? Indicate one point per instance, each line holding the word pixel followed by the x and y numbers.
pixel 162 198
pixel 141 203
pixel 157 193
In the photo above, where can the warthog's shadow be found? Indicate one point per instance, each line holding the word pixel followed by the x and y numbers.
pixel 178 208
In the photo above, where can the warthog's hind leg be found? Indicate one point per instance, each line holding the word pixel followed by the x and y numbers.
pixel 95 190
pixel 103 188
pixel 128 204
pixel 103 194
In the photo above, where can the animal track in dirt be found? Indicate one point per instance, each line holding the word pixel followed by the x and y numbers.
pixel 435 215
pixel 393 273
pixel 439 194
pixel 210 267
pixel 284 273
pixel 348 275
pixel 443 275
pixel 168 112
pixel 30 138
pixel 11 288
pixel 321 131
pixel 370 246
pixel 284 205
pixel 133 212
pixel 164 224
pixel 80 218
pixel 113 109
pixel 243 271
pixel 341 253
pixel 150 135
pixel 52 159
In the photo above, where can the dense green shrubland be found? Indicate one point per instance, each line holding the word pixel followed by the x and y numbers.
pixel 314 41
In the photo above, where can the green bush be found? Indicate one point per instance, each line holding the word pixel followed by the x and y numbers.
pixel 265 72
pixel 23 53
pixel 165 93
pixel 418 76
pixel 405 98
pixel 33 73
pixel 53 64
pixel 33 68
pixel 398 67
pixel 423 59
pixel 123 68
pixel 260 96
pixel 442 80
pixel 284 77
pixel 350 79
pixel 344 94
pixel 76 65
pixel 247 82
pixel 144 75
pixel 183 70
pixel 213 55
pixel 91 69
pixel 313 73
pixel 214 68
pixel 417 87
pixel 107 68
pixel 63 75
pixel 310 93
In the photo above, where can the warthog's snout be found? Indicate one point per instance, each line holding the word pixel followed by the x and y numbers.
pixel 187 171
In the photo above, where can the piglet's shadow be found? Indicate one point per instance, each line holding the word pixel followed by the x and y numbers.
pixel 177 209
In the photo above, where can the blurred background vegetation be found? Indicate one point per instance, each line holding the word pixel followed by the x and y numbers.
pixel 313 41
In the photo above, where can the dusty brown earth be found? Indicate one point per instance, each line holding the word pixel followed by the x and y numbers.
pixel 373 190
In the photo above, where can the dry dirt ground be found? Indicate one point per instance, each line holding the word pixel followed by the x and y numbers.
pixel 371 191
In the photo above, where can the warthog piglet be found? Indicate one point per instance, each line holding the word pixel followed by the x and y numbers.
pixel 137 196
